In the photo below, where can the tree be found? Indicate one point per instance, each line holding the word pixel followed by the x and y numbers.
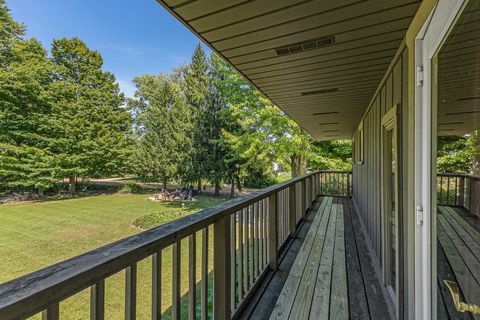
pixel 197 85
pixel 11 33
pixel 162 124
pixel 25 109
pixel 92 125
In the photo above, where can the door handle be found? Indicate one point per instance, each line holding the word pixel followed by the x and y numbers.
pixel 460 305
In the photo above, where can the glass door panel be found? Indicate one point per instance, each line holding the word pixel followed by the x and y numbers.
pixel 456 168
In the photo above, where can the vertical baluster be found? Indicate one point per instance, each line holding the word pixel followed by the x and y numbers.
pixel 204 271
pixel 192 275
pixel 157 285
pixel 131 292
pixel 245 250
pixel 285 214
pixel 233 264
pixel 448 190
pixel 221 257
pixel 52 312
pixel 303 198
pixel 292 215
pixel 255 239
pixel 265 230
pixel 176 251
pixel 272 230
pixel 240 255
pixel 97 300
pixel 260 229
pixel 461 192
pixel 455 200
pixel 251 239
pixel 348 184
pixel 441 189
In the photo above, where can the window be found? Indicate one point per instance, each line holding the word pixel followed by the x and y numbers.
pixel 358 145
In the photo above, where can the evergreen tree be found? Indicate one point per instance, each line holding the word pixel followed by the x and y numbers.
pixel 92 125
pixel 162 123
pixel 197 86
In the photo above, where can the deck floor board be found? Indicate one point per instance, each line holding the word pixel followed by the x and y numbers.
pixel 457 260
pixel 332 276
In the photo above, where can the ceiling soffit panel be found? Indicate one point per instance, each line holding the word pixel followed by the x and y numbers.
pixel 319 61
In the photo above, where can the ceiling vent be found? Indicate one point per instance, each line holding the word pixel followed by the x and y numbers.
pixel 305 46
pixel 327 123
pixel 315 92
pixel 450 123
pixel 468 98
pixel 325 113
pixel 462 112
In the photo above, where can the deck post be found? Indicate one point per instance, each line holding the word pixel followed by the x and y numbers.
pixel 272 232
pixel 461 192
pixel 221 263
pixel 348 185
pixel 303 198
pixel 314 184
pixel 292 208
pixel 52 312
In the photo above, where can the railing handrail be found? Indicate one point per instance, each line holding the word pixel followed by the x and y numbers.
pixel 457 175
pixel 34 292
pixel 335 171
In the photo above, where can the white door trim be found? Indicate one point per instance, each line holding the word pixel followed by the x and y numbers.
pixel 428 41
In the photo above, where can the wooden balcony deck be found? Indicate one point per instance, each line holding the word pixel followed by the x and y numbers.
pixel 325 273
pixel 458 259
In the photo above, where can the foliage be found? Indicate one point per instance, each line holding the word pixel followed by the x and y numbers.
pixel 60 116
pixel 63 116
pixel 91 123
pixel 156 219
pixel 459 154
pixel 162 123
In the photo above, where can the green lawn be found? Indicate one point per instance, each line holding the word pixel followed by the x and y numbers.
pixel 35 235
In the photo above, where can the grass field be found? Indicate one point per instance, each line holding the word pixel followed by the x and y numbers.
pixel 36 235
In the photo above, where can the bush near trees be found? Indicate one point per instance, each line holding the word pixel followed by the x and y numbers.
pixel 63 116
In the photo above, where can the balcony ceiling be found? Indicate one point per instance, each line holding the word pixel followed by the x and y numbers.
pixel 324 87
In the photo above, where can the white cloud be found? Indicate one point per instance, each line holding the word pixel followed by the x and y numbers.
pixel 127 87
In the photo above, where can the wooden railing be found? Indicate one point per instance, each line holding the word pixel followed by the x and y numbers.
pixel 460 190
pixel 248 235
pixel 336 183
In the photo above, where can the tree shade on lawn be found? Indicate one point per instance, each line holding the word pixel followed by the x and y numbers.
pixel 36 235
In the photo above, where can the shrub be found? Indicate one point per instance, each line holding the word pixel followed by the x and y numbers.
pixel 157 218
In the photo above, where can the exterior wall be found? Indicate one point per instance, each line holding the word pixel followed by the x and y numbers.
pixel 366 181
pixel 393 90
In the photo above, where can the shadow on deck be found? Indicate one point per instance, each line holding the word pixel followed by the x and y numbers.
pixel 325 272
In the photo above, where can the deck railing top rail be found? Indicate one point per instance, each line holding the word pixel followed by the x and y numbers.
pixel 44 289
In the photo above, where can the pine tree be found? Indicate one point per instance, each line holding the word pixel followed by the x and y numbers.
pixel 197 86
pixel 92 125
pixel 162 124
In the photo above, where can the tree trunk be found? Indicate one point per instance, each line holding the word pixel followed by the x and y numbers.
pixel 239 184
pixel 298 165
pixel 71 184
pixel 199 186
pixel 217 188
pixel 165 183
pixel 232 189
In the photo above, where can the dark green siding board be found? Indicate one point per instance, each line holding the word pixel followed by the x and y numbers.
pixel 389 93
pixel 367 195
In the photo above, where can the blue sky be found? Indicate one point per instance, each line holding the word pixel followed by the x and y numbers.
pixel 134 36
